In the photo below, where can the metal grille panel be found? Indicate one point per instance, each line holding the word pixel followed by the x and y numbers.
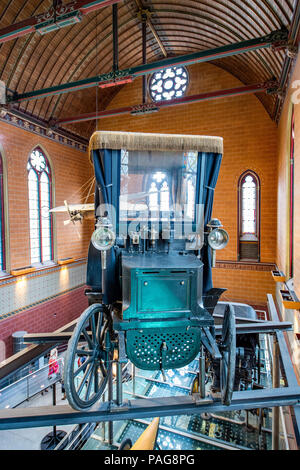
pixel 144 348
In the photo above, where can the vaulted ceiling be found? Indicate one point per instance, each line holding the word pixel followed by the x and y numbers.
pixel 85 49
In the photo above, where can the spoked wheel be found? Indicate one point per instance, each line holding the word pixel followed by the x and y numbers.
pixel 87 362
pixel 228 350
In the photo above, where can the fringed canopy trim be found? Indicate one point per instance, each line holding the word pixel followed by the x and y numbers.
pixel 164 142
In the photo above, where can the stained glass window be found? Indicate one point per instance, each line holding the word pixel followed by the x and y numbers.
pixel 191 162
pixel 249 205
pixel 168 84
pixel 159 185
pixel 2 245
pixel 249 217
pixel 39 192
pixel 159 193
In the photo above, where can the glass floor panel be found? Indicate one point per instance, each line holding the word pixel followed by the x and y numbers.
pixel 232 429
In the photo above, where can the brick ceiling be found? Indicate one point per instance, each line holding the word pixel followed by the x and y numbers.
pixel 84 50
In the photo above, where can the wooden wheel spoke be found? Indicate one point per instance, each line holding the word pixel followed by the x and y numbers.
pixel 81 368
pixel 83 380
pixel 99 327
pixel 90 381
pixel 88 339
pixel 93 328
pixel 103 332
pixel 96 386
pixel 84 352
pixel 103 369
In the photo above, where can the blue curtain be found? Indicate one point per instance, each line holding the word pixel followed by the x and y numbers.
pixel 107 165
pixel 208 172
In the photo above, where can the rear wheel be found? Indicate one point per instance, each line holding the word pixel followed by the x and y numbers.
pixel 88 358
pixel 228 350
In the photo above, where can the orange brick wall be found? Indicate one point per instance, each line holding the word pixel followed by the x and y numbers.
pixel 70 170
pixel 250 286
pixel 284 140
pixel 250 142
pixel 283 183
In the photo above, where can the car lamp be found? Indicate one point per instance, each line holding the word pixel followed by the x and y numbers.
pixel 218 238
pixel 103 239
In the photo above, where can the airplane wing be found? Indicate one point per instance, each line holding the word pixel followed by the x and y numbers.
pixel 74 207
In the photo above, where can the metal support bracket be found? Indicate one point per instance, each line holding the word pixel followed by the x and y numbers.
pixel 201 401
pixel 125 406
pixel 122 350
pixel 210 343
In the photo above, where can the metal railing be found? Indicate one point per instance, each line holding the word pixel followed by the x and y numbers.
pixel 28 386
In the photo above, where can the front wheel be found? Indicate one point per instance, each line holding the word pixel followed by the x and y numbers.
pixel 87 361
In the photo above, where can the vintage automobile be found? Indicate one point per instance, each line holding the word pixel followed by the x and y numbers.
pixel 150 259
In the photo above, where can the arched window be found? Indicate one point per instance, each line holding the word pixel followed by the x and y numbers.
pixel 40 201
pixel 249 215
pixel 159 192
pixel 2 233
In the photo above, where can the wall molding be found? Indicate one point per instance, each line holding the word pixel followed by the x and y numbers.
pixel 43 271
pixel 5 316
pixel 35 126
pixel 244 266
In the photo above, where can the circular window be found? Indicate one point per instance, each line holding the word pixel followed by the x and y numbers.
pixel 168 84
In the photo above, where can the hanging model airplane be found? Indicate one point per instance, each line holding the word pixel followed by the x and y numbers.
pixel 76 212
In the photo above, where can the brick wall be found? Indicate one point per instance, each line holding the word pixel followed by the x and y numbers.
pixel 250 142
pixel 70 169
pixel 46 317
pixel 284 139
pixel 244 285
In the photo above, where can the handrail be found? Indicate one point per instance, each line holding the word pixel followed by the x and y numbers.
pixel 26 387
pixel 18 361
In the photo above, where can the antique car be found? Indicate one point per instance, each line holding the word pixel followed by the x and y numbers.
pixel 150 259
